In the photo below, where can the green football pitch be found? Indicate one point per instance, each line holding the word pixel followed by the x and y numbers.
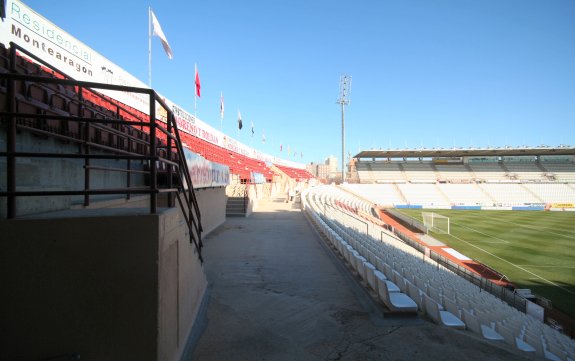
pixel 534 249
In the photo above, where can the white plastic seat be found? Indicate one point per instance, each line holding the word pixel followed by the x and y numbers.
pixel 534 341
pixel 370 275
pixel 415 294
pixel 387 270
pixel 399 281
pixel 433 293
pixel 341 246
pixel 439 316
pixel 552 352
pixel 451 306
pixel 396 301
pixel 488 333
pixel 512 339
pixel 556 349
pixel 348 253
pixel 358 262
pixel 380 277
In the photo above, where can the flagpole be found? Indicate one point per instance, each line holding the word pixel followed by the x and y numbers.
pixel 195 87
pixel 150 46
pixel 221 111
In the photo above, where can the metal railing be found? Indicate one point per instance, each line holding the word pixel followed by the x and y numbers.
pixel 139 139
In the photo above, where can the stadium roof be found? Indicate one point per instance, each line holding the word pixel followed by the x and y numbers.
pixel 465 152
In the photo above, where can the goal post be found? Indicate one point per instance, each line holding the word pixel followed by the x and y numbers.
pixel 436 222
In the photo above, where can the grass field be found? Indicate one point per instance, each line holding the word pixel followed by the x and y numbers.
pixel 534 249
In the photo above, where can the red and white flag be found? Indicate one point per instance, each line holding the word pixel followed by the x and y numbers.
pixel 157 29
pixel 197 81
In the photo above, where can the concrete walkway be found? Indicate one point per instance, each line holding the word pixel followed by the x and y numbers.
pixel 278 292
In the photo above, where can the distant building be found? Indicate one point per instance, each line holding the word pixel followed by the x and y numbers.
pixel 312 168
pixel 331 161
pixel 328 170
pixel 323 171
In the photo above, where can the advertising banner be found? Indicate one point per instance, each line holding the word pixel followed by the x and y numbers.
pixel 36 34
pixel 562 205
pixel 206 174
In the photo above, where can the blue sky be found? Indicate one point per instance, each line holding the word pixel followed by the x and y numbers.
pixel 439 73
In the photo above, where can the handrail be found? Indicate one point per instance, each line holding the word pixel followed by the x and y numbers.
pixel 175 161
pixel 189 196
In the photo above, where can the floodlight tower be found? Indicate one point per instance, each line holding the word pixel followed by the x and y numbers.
pixel 343 100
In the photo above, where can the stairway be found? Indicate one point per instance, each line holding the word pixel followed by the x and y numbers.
pixel 400 193
pixel 370 168
pixel 470 170
pixel 478 185
pixel 236 207
pixel 445 197
pixel 532 193
pixel 403 173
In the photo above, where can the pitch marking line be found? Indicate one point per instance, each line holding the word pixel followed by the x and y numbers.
pixel 545 266
pixel 501 240
pixel 517 266
pixel 542 229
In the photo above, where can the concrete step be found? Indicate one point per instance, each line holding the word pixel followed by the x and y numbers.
pixel 235 207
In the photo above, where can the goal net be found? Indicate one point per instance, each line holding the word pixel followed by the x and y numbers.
pixel 436 222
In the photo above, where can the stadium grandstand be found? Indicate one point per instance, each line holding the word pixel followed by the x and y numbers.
pixel 81 153
pixel 108 191
pixel 493 178
pixel 411 275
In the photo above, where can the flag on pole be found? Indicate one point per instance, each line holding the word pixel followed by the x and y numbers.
pixel 2 10
pixel 240 125
pixel 222 105
pixel 197 81
pixel 160 34
pixel 253 129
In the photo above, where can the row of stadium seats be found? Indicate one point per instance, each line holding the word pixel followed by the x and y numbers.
pixel 67 101
pixel 62 104
pixel 239 164
pixel 297 174
pixel 390 266
pixel 466 194
pixel 377 171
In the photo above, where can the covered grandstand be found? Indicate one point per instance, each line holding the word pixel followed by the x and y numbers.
pixel 508 178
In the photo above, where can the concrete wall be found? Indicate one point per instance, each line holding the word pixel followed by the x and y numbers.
pixel 212 202
pixel 182 286
pixel 49 174
pixel 116 285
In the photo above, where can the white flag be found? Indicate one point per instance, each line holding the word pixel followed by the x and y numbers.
pixel 157 29
pixel 222 105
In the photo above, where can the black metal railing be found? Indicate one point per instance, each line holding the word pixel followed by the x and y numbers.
pixel 113 132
